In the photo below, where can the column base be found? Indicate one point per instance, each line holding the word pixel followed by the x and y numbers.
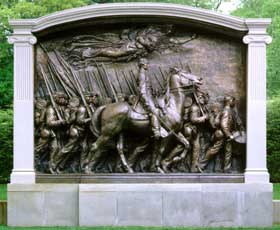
pixel 23 176
pixel 256 176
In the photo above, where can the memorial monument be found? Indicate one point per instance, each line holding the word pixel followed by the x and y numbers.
pixel 139 114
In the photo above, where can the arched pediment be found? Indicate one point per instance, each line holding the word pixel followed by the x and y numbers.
pixel 195 16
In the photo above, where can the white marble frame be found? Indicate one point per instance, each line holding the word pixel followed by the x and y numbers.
pixel 24 40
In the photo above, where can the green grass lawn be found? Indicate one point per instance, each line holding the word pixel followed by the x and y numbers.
pixel 3 192
pixel 276 191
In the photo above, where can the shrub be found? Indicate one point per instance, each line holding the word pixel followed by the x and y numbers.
pixel 273 139
pixel 6 144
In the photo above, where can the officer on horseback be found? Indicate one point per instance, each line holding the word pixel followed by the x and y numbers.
pixel 145 94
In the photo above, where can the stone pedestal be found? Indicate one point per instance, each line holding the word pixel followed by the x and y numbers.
pixel 140 205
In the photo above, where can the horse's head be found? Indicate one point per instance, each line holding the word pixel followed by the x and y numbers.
pixel 186 79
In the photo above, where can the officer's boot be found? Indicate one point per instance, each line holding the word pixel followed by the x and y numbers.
pixel 155 126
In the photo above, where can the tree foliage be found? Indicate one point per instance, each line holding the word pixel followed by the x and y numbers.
pixel 273 139
pixel 6 144
pixel 267 9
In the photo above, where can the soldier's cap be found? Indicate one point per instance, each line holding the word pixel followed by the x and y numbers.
pixel 143 61
pixel 228 97
pixel 175 69
pixel 41 103
pixel 74 101
pixel 60 94
pixel 91 94
pixel 204 94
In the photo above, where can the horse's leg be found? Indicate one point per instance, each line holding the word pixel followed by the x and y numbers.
pixel 95 152
pixel 120 147
pixel 139 149
pixel 167 161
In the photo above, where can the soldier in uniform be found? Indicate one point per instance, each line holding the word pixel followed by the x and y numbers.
pixel 145 93
pixel 198 116
pixel 225 124
pixel 41 131
pixel 188 131
pixel 55 123
pixel 73 134
pixel 83 120
pixel 217 138
pixel 230 122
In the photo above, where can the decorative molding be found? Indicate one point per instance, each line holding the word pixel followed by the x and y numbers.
pixel 131 9
pixel 257 39
pixel 257 25
pixel 22 39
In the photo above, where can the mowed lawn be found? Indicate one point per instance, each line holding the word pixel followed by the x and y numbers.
pixel 276 192
pixel 3 192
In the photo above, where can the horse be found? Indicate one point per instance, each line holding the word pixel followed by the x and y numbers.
pixel 113 120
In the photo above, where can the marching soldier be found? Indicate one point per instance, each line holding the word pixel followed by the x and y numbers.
pixel 217 138
pixel 225 124
pixel 41 131
pixel 56 118
pixel 198 117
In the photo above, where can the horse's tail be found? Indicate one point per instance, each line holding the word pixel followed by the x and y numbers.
pixel 95 125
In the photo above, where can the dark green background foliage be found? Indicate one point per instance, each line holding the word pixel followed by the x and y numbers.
pixel 6 144
pixel 273 139
pixel 36 8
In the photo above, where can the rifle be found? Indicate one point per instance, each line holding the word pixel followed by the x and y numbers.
pixel 128 84
pixel 49 91
pixel 117 76
pixel 158 81
pixel 109 83
pixel 81 94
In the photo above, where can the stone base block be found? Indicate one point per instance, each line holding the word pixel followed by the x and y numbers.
pixel 43 205
pixel 140 205
pixel 176 204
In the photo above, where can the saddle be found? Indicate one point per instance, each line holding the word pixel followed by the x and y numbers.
pixel 137 111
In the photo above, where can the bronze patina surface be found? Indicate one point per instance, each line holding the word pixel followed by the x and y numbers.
pixel 141 98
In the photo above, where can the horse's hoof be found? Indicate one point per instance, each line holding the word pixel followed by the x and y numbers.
pixel 52 171
pixel 87 170
pixel 164 165
pixel 199 169
pixel 159 169
pixel 130 170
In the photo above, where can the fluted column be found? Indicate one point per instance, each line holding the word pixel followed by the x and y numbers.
pixel 257 39
pixel 23 168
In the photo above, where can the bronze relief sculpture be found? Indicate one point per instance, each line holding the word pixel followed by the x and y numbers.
pixel 139 100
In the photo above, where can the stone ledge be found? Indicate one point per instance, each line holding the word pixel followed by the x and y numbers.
pixel 140 178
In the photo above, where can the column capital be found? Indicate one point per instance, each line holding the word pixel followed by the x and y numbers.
pixel 257 38
pixel 13 39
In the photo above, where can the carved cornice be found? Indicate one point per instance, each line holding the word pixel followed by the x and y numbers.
pixel 22 39
pixel 257 39
pixel 131 9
